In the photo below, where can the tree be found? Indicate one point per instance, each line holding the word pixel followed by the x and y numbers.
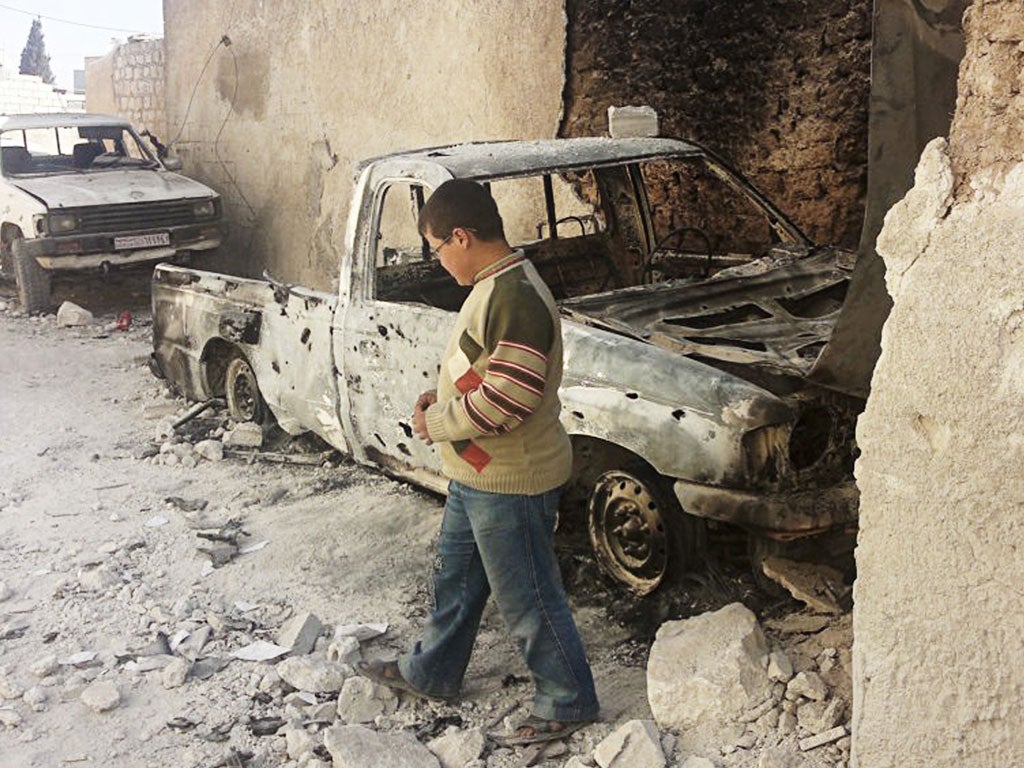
pixel 34 60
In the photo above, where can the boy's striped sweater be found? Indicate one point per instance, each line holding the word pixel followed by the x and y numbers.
pixel 496 417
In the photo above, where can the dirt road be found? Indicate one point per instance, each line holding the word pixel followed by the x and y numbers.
pixel 94 560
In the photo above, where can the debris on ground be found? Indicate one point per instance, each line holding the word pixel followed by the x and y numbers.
pixel 820 587
pixel 70 314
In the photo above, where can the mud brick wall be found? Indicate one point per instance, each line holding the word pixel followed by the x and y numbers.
pixel 779 89
pixel 129 82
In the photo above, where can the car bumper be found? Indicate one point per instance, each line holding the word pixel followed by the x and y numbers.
pixel 92 251
pixel 780 515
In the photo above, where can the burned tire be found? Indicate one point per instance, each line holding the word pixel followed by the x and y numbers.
pixel 33 281
pixel 245 402
pixel 640 535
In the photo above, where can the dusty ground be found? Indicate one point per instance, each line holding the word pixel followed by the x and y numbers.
pixel 93 558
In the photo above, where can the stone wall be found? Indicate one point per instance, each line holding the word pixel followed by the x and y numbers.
pixel 129 82
pixel 939 619
pixel 273 103
pixel 28 93
pixel 778 89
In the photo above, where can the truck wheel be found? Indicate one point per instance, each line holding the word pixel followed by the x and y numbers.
pixel 640 535
pixel 33 281
pixel 245 403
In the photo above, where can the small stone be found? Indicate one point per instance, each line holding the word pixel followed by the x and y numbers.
pixel 98 579
pixel 456 748
pixel 345 650
pixel 355 746
pixel 314 675
pixel 35 697
pixel 636 744
pixel 8 688
pixel 817 716
pixel 9 718
pixel 101 696
pixel 70 314
pixel 45 666
pixel 300 633
pixel 175 673
pixel 779 757
pixel 780 668
pixel 298 742
pixel 787 723
pixel 362 701
pixel 807 684
pixel 211 450
pixel 747 740
pixel 246 435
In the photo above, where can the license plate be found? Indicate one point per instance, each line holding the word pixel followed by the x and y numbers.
pixel 142 241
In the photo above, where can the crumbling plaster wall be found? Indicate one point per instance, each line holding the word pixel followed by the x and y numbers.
pixel 779 89
pixel 276 119
pixel 939 617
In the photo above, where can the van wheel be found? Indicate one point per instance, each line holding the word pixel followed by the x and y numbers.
pixel 33 281
pixel 245 402
pixel 640 535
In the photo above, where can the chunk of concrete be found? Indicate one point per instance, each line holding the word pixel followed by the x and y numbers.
pixel 98 579
pixel 704 673
pixel 313 674
pixel 632 122
pixel 344 649
pixel 300 633
pixel 211 450
pixel 70 314
pixel 807 684
pixel 298 741
pixel 820 716
pixel 362 701
pixel 782 756
pixel 245 435
pixel 780 668
pixel 636 744
pixel 101 696
pixel 175 673
pixel 819 587
pixel 355 746
pixel 456 747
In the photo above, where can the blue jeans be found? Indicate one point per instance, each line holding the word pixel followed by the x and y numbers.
pixel 502 543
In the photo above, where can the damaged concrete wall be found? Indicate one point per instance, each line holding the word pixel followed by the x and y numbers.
pixel 938 624
pixel 288 95
pixel 129 82
pixel 779 89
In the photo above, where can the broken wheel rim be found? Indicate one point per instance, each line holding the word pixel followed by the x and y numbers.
pixel 627 531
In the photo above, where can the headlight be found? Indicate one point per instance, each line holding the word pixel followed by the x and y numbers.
pixel 206 209
pixel 59 223
pixel 765 452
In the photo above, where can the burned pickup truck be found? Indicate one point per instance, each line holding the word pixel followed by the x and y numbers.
pixel 693 311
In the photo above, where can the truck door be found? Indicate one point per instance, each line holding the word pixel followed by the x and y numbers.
pixel 400 314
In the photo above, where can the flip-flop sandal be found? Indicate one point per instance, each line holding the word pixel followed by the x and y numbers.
pixel 542 731
pixel 388 674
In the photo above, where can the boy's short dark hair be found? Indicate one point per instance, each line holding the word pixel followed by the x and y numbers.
pixel 461 203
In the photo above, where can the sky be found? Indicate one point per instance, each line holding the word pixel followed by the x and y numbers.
pixel 70 30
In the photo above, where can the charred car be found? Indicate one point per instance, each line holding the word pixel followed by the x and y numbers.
pixel 693 312
pixel 84 192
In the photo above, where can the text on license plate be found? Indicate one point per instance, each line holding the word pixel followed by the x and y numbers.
pixel 142 241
